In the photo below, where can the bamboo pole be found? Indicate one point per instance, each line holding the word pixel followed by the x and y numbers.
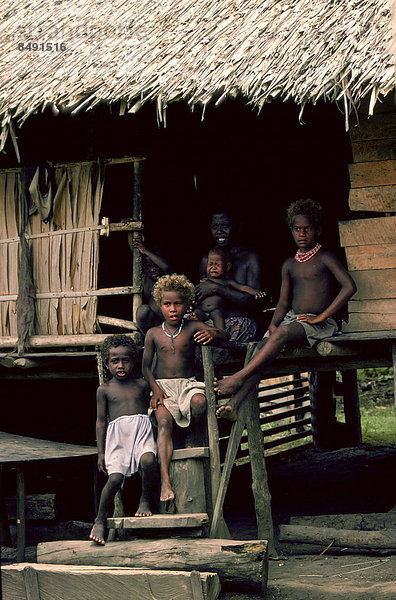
pixel 56 341
pixel 136 257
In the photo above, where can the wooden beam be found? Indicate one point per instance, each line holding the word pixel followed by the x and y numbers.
pixel 54 341
pixel 116 291
pixel 369 321
pixel 369 150
pixel 378 230
pixel 114 322
pixel 386 306
pixel 367 521
pixel 377 198
pixel 381 126
pixel 242 565
pixel 376 256
pixel 350 393
pixel 381 172
pixel 160 521
pixel 260 489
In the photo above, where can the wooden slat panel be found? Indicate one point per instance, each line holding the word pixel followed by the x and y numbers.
pixel 381 172
pixel 377 198
pixel 375 128
pixel 370 322
pixel 363 258
pixel 90 583
pixel 374 150
pixel 375 284
pixel 380 230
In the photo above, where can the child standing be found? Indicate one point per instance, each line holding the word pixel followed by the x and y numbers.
pixel 176 394
pixel 126 444
pixel 308 300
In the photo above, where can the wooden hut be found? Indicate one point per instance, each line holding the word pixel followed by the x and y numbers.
pixel 147 64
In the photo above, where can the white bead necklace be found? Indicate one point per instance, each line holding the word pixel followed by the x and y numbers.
pixel 172 336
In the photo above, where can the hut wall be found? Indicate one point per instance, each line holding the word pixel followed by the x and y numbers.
pixel 62 263
pixel 370 242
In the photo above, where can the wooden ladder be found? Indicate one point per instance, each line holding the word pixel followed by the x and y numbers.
pixel 195 475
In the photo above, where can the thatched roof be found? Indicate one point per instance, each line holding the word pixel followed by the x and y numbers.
pixel 129 52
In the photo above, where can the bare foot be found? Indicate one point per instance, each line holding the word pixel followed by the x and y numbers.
pixel 143 509
pixel 227 411
pixel 166 492
pixel 227 386
pixel 97 534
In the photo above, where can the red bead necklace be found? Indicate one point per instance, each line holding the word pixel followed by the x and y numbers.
pixel 304 256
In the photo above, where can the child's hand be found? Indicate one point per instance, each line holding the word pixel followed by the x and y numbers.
pixel 157 399
pixel 204 336
pixel 136 243
pixel 313 319
pixel 260 295
pixel 101 463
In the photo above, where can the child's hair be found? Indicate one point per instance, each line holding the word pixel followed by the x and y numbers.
pixel 307 207
pixel 113 341
pixel 174 283
pixel 221 252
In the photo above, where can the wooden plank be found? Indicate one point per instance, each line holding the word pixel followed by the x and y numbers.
pixel 112 583
pixel 240 564
pixel 18 448
pixel 387 306
pixel 380 198
pixel 116 291
pixel 198 452
pixel 376 256
pixel 370 322
pixel 159 521
pixel 20 509
pixel 378 230
pixel 375 284
pixel 379 126
pixel 381 172
pixel 370 150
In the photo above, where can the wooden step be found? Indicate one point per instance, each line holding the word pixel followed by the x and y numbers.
pixel 184 453
pixel 166 521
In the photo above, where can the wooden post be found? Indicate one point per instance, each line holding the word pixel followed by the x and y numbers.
pixel 352 407
pixel 20 513
pixel 213 442
pixel 322 407
pixel 394 368
pixel 260 489
pixel 5 535
pixel 137 259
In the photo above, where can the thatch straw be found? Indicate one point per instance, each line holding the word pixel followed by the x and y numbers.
pixel 165 50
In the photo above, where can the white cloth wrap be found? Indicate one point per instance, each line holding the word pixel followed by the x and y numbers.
pixel 179 392
pixel 127 438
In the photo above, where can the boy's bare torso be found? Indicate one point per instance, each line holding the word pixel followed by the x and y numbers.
pixel 313 285
pixel 172 365
pixel 127 398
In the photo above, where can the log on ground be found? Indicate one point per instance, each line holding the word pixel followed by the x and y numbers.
pixel 364 521
pixel 25 581
pixel 346 538
pixel 241 565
